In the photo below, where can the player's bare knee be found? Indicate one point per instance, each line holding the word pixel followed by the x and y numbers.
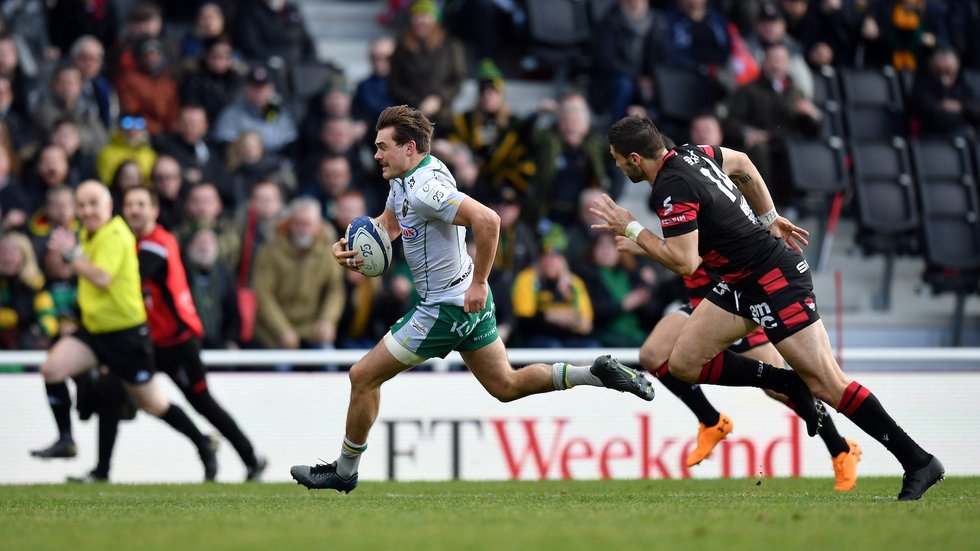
pixel 650 358
pixel 360 376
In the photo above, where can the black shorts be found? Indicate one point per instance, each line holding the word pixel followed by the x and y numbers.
pixel 127 353
pixel 754 339
pixel 182 362
pixel 781 301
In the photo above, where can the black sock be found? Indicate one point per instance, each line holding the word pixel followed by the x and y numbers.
pixel 176 418
pixel 205 404
pixel 828 433
pixel 108 429
pixel 60 402
pixel 731 369
pixel 692 396
pixel 861 407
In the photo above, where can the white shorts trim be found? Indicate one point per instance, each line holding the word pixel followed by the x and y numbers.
pixel 401 353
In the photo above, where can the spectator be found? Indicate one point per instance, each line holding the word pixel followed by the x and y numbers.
pixel 770 28
pixel 167 182
pixel 128 175
pixel 371 96
pixel 580 234
pixel 698 37
pixel 58 212
pixel 204 210
pixel 188 144
pixel 258 109
pixel 768 111
pixel 497 137
pixel 28 20
pixel 517 249
pixel 551 303
pixel 705 129
pixel 428 66
pixel 570 158
pixel 143 19
pixel 329 128
pixel 904 32
pixel 148 89
pixel 269 29
pixel 213 289
pixel 11 69
pixel 81 164
pixel 215 83
pixel 298 283
pixel 826 30
pixel 208 25
pixel 14 202
pixel 88 55
pixel 50 171
pixel 942 103
pixel 333 178
pixel 622 294
pixel 69 20
pixel 248 163
pixel 625 40
pixel 20 129
pixel 27 316
pixel 65 101
pixel 258 221
pixel 129 141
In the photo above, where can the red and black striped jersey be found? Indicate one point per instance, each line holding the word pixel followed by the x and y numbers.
pixel 691 192
pixel 170 310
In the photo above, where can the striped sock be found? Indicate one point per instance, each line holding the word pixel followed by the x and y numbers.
pixel 565 376
pixel 350 457
pixel 864 409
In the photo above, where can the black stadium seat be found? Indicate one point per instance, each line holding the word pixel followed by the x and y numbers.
pixel 873 105
pixel 887 210
pixel 817 169
pixel 873 122
pixel 947 188
pixel 681 94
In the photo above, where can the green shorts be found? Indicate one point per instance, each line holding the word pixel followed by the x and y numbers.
pixel 431 330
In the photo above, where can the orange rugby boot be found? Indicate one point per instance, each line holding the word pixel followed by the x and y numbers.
pixel 846 467
pixel 708 438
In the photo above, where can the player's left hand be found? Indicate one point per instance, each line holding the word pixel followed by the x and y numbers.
pixel 476 297
pixel 616 217
pixel 793 235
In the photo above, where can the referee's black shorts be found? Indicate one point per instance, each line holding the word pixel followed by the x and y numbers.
pixel 127 353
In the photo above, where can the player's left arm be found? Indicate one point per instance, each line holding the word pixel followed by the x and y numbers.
pixel 749 181
pixel 486 230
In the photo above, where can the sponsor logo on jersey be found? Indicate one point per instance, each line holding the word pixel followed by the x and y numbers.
pixel 691 159
pixel 409 232
pixel 434 194
pixel 810 304
pixel 411 182
pixel 668 207
pixel 802 267
pixel 405 208
pixel 672 215
pixel 762 314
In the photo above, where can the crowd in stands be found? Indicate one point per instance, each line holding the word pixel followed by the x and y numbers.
pixel 199 101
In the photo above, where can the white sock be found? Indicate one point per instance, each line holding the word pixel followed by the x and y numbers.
pixel 565 376
pixel 350 458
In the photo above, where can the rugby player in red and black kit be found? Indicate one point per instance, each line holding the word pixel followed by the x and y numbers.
pixel 175 327
pixel 764 282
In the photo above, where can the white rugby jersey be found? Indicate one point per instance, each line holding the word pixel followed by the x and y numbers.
pixel 425 203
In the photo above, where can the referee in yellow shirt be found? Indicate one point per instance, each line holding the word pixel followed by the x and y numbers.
pixel 113 330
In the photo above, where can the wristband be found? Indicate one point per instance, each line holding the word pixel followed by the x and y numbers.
pixel 633 230
pixel 768 218
pixel 71 254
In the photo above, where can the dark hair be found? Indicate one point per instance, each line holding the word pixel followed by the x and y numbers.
pixel 154 196
pixel 636 134
pixel 410 126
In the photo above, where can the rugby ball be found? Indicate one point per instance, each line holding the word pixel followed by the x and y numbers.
pixel 368 237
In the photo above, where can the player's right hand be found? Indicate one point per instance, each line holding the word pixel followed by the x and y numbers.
pixel 345 258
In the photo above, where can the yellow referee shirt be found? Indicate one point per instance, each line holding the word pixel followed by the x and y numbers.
pixel 113 249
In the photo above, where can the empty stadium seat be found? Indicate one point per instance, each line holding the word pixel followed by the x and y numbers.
pixel 872 87
pixel 873 122
pixel 558 35
pixel 681 94
pixel 818 170
pixel 946 184
pixel 887 210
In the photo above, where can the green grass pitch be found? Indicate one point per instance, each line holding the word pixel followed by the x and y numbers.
pixel 561 515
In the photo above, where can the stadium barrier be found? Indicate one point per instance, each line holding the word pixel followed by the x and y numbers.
pixel 442 426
